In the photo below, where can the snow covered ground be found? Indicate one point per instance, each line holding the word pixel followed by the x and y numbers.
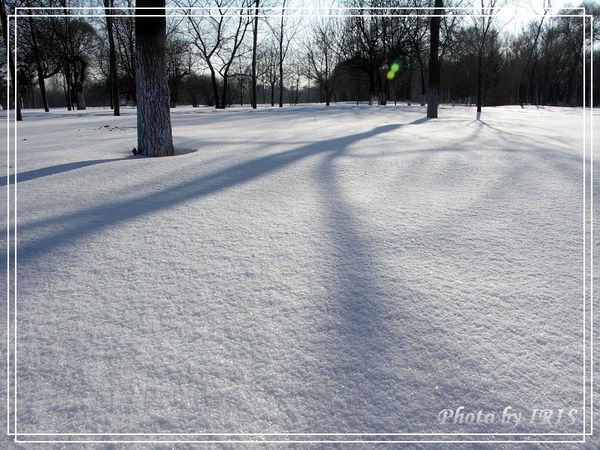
pixel 349 269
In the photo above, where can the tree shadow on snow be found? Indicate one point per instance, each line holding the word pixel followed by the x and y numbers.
pixel 91 220
pixel 376 338
pixel 54 170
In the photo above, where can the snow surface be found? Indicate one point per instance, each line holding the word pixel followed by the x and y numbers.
pixel 348 269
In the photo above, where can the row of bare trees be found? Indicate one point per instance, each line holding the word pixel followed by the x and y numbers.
pixel 545 63
pixel 221 52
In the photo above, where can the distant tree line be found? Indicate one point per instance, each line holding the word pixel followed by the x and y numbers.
pixel 226 52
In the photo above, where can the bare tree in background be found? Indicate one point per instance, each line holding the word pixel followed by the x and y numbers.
pixel 254 100
pixel 38 43
pixel 114 75
pixel 124 28
pixel 268 59
pixel 284 34
pixel 434 62
pixel 76 40
pixel 179 64
pixel 484 32
pixel 414 29
pixel 372 41
pixel 282 51
pixel 219 36
pixel 323 57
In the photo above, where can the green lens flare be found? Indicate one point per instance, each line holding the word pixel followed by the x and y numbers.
pixel 395 67
pixel 390 75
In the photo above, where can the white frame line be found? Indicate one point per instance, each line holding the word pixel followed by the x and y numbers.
pixel 584 324
pixel 15 234
pixel 592 220
pixel 8 247
pixel 585 396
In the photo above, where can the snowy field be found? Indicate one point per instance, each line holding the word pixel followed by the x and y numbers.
pixel 349 269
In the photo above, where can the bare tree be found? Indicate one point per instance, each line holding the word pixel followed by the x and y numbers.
pixel 434 62
pixel 114 75
pixel 76 40
pixel 323 57
pixel 484 33
pixel 268 62
pixel 179 64
pixel 38 43
pixel 153 113
pixel 371 42
pixel 254 100
pixel 125 48
pixel 284 33
pixel 414 29
pixel 282 51
pixel 566 45
pixel 363 50
pixel 219 36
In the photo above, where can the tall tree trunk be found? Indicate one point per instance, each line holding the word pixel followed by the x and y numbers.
pixel 422 76
pixel 40 70
pixel 327 90
pixel 215 86
pixel 42 86
pixel 281 55
pixel 479 100
pixel 423 85
pixel 79 83
pixel 272 94
pixel 80 98
pixel 434 62
pixel 68 87
pixel 153 113
pixel 223 104
pixel 281 84
pixel 114 76
pixel 254 50
pixel 408 85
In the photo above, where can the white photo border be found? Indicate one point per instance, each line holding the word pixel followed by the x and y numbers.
pixel 303 438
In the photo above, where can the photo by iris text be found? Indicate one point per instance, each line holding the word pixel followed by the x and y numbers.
pixel 509 416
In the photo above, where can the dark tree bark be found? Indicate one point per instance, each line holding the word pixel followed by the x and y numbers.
pixel 281 55
pixel 423 84
pixel 42 86
pixel 153 113
pixel 114 76
pixel 69 90
pixel 254 55
pixel 79 82
pixel 479 100
pixel 434 62
pixel 272 94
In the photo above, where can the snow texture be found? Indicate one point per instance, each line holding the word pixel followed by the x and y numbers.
pixel 348 269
